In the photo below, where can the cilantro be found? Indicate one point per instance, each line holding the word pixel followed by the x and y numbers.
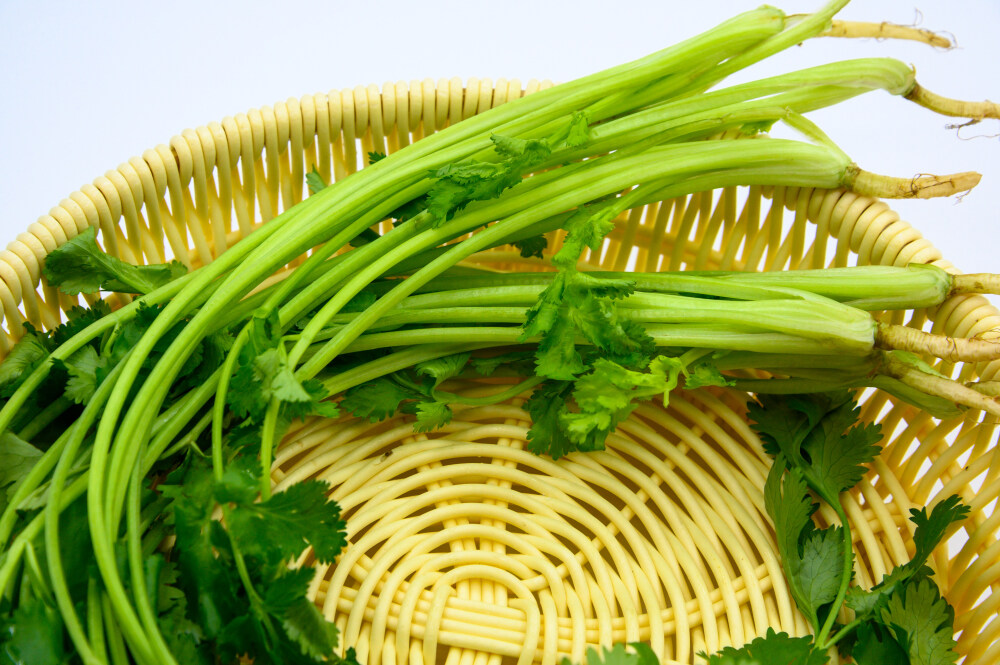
pixel 577 304
pixel 264 375
pixel 81 266
pixel 819 447
pixel 33 634
pixel 533 246
pixel 410 392
pixel 545 405
pixel 376 400
pixel 432 416
pixel 641 654
pixel 282 526
pixel 315 181
pixel 772 649
pixel 930 531
pixel 875 646
pixel 923 624
pixel 458 185
pixel 262 614
pixel 704 373
pixel 17 457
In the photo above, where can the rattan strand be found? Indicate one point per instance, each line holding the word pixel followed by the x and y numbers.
pixel 467 549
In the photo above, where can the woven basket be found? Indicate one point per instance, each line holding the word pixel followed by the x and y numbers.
pixel 465 548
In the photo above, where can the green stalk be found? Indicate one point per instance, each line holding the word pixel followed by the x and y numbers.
pixel 600 180
pixel 53 508
pixel 268 436
pixel 846 572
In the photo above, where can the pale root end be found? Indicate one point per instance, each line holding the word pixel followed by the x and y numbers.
pixel 982 282
pixel 918 187
pixel 860 29
pixel 952 349
pixel 940 387
pixel 953 107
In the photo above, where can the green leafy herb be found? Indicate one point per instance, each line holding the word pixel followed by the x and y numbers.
pixel 81 266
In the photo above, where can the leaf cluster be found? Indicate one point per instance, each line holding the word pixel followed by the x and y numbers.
pixel 234 594
pixel 821 449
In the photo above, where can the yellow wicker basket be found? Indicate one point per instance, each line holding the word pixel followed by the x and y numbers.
pixel 465 548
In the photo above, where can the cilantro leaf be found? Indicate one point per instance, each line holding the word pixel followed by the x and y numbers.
pixel 838 449
pixel 704 373
pixel 315 181
pixel 930 531
pixel 442 369
pixel 923 624
pixel 576 304
pixel 811 557
pixel 519 362
pixel 608 394
pixel 932 528
pixel 818 568
pixel 641 654
pixel 265 375
pixel 17 457
pixel 27 355
pixel 376 400
pixel 586 228
pixel 282 526
pixel 546 435
pixel 874 645
pixel 431 416
pixel 460 184
pixel 82 370
pixel 34 634
pixel 533 246
pixel 772 649
pixel 81 266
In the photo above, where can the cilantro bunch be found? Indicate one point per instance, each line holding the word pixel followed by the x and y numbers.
pixel 151 425
pixel 820 450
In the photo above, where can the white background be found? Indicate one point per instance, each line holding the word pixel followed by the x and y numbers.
pixel 86 85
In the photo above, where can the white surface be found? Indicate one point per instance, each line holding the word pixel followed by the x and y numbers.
pixel 86 85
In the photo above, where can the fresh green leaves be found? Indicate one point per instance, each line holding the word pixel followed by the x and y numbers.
pixel 81 266
pixel 17 457
pixel 458 185
pixel 619 654
pixel 264 374
pixel 820 448
pixel 922 623
pixel 282 526
pixel 226 571
pixel 771 649
pixel 33 634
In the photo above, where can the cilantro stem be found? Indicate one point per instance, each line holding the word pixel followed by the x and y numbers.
pixel 842 633
pixel 95 627
pixel 512 391
pixel 267 447
pixel 136 558
pixel 845 574
pixel 55 409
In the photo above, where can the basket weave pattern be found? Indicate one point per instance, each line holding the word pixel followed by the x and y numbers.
pixel 463 547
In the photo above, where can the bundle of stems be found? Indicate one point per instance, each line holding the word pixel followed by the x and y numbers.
pixel 199 363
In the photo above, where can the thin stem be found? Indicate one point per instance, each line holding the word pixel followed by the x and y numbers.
pixel 268 435
pixel 841 634
pixel 496 398
pixel 847 565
